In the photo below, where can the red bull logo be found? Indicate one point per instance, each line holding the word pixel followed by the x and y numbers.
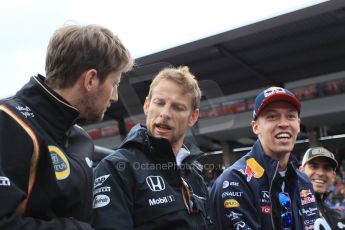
pixel 248 172
pixel 307 196
pixel 307 200
pixel 273 90
pixel 253 169
pixel 305 193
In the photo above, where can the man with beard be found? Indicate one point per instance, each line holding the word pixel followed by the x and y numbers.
pixel 45 166
pixel 263 189
pixel 152 179
pixel 320 165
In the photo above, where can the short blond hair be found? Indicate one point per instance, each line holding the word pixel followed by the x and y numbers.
pixel 183 77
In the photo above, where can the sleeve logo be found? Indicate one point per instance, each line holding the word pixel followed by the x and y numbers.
pixel 60 162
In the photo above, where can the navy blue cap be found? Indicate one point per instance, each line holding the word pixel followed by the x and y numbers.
pixel 274 94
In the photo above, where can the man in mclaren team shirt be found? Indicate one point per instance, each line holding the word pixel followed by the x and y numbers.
pixel 152 180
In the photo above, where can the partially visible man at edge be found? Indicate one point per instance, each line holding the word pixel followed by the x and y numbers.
pixel 320 165
pixel 152 179
pixel 45 168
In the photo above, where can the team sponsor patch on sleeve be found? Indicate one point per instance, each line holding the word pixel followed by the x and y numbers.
pixel 60 162
pixel 100 180
pixel 101 190
pixel 100 200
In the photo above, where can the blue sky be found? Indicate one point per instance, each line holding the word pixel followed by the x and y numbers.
pixel 144 26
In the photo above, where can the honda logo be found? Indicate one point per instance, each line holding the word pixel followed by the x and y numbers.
pixel 4 181
pixel 155 183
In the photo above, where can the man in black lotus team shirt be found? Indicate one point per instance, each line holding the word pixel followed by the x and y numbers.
pixel 45 167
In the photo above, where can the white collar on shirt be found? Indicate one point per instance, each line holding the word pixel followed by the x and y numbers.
pixel 182 154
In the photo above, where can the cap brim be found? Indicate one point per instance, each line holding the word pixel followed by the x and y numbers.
pixel 333 162
pixel 280 97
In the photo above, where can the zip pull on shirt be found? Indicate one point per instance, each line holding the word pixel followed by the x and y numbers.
pixel 281 179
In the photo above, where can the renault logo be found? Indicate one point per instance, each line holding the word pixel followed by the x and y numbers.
pixel 155 183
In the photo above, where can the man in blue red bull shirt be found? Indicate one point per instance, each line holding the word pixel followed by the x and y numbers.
pixel 263 189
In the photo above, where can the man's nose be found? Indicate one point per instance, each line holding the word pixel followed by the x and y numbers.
pixel 283 122
pixel 165 112
pixel 114 96
pixel 320 171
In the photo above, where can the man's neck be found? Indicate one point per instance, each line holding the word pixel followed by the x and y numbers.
pixel 319 196
pixel 282 165
pixel 283 159
pixel 176 148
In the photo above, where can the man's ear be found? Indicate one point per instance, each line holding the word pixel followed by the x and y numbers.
pixel 301 168
pixel 299 122
pixel 90 79
pixel 193 117
pixel 334 175
pixel 146 105
pixel 255 127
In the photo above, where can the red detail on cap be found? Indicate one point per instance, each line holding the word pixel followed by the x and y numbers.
pixel 281 96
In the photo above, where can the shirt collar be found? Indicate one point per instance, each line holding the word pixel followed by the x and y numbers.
pixel 182 154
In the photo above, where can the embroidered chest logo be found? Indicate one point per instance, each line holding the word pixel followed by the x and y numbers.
pixel 231 203
pixel 265 202
pixel 265 197
pixel 155 183
pixel 60 162
pixel 4 181
pixel 307 196
pixel 26 111
pixel 253 169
